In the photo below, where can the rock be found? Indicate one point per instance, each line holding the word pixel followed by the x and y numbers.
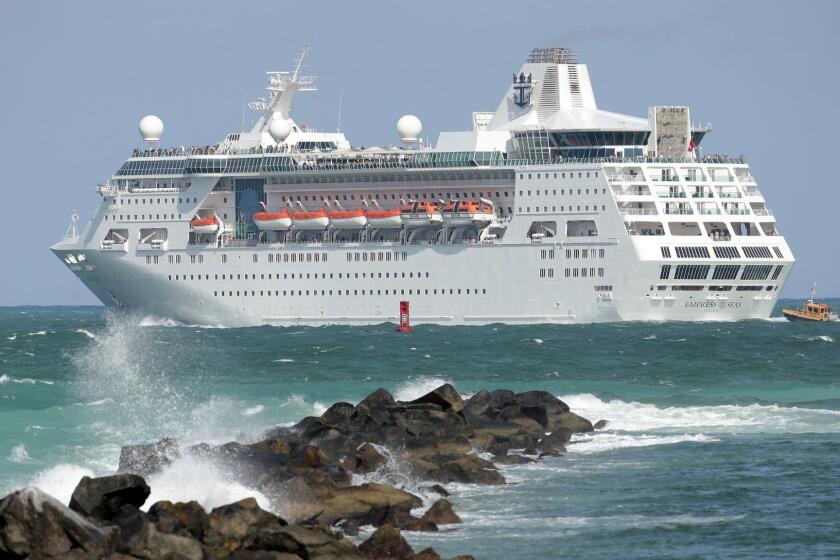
pixel 149 458
pixel 512 460
pixel 186 519
pixel 441 513
pixel 310 543
pixel 386 542
pixel 236 526
pixel 367 459
pixel 407 522
pixel 140 538
pixel 468 469
pixel 368 504
pixel 577 424
pixel 480 403
pixel 554 443
pixel 36 525
pixel 102 497
pixel 426 554
pixel 600 424
pixel 338 414
pixel 444 396
pixel 378 399
pixel 262 555
pixel 438 489
pixel 314 457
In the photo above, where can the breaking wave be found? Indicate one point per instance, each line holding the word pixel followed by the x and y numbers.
pixel 417 387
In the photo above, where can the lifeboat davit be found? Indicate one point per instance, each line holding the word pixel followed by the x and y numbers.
pixel 273 221
pixel 348 219
pixel 316 219
pixel 385 219
pixel 421 213
pixel 206 225
pixel 467 213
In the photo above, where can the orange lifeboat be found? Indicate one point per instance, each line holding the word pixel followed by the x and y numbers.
pixel 273 221
pixel 206 225
pixel 348 219
pixel 316 219
pixel 385 219
pixel 421 213
pixel 468 213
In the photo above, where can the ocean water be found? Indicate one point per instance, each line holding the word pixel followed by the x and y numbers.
pixel 723 438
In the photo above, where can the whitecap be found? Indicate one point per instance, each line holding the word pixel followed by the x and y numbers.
pixel 39 333
pixel 86 333
pixel 285 360
pixel 13 337
pixel 752 418
pixel 651 337
pixel 19 454
pixel 4 379
pixel 189 478
pixel 539 340
pixel 250 411
pixel 417 387
pixel 60 481
pixel 601 442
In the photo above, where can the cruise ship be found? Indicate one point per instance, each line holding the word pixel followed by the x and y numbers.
pixel 548 210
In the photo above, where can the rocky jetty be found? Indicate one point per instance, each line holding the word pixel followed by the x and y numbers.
pixel 325 477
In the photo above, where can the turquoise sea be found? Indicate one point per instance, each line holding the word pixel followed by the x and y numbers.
pixel 723 438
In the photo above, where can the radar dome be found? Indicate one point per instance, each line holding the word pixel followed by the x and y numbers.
pixel 151 128
pixel 409 128
pixel 279 128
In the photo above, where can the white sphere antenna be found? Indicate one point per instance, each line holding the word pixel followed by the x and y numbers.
pixel 279 128
pixel 409 128
pixel 151 128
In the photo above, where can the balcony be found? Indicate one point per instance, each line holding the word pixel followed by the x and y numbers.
pixel 751 191
pixel 678 211
pixel 737 211
pixel 709 211
pixel 762 212
pixel 638 211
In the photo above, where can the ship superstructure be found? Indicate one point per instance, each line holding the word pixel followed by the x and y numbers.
pixel 548 210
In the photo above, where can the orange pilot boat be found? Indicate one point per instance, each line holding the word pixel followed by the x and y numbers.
pixel 811 311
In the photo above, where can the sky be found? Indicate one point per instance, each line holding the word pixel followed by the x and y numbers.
pixel 76 77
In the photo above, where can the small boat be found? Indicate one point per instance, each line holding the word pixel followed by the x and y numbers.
pixel 421 213
pixel 467 213
pixel 348 219
pixel 273 221
pixel 208 225
pixel 811 311
pixel 317 219
pixel 385 219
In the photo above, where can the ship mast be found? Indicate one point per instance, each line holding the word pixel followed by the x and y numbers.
pixel 281 88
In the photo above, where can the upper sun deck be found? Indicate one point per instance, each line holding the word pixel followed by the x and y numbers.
pixel 209 160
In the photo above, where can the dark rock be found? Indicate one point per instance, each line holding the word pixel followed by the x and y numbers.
pixel 146 459
pixel 140 538
pixel 338 414
pixel 512 460
pixel 577 424
pixel 444 396
pixel 310 543
pixel 437 488
pixel 37 526
pixel 186 519
pixel 554 443
pixel 441 513
pixel 262 555
pixel 366 459
pixel 386 542
pixel 237 525
pixel 407 522
pixel 468 469
pixel 426 554
pixel 378 399
pixel 600 424
pixel 480 403
pixel 368 504
pixel 103 497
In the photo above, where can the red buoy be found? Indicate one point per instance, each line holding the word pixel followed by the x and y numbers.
pixel 404 325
